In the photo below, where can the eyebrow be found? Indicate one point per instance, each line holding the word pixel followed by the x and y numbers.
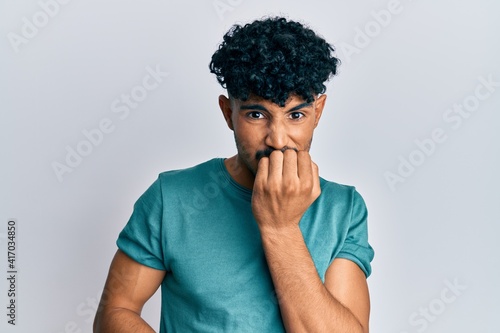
pixel 261 108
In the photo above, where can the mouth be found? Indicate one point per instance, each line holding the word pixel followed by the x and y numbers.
pixel 267 152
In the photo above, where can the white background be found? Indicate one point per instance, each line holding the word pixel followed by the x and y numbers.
pixel 438 227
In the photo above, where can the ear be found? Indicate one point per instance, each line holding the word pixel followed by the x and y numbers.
pixel 318 111
pixel 227 112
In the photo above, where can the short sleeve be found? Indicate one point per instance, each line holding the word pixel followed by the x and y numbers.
pixel 356 247
pixel 141 237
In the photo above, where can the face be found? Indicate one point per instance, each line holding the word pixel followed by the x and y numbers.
pixel 260 126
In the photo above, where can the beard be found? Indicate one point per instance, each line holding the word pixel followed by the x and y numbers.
pixel 245 156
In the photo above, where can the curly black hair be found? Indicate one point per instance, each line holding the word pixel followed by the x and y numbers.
pixel 273 58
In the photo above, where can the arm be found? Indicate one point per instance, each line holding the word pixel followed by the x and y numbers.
pixel 341 304
pixel 286 184
pixel 128 286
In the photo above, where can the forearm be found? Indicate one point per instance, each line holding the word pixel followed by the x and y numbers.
pixel 306 304
pixel 120 320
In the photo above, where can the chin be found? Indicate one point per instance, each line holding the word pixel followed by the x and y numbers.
pixel 250 164
pixel 252 167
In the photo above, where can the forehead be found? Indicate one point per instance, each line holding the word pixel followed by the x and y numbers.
pixel 292 101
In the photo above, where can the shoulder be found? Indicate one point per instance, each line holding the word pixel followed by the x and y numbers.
pixel 191 173
pixel 190 179
pixel 340 197
pixel 337 190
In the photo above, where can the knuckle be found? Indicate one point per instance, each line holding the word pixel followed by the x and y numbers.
pixel 308 185
pixel 272 185
pixel 290 186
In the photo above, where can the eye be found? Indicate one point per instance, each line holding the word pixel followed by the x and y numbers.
pixel 296 115
pixel 255 115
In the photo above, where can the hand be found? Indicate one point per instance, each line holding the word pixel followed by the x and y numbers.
pixel 286 184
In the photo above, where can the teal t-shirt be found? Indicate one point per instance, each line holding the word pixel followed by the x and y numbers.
pixel 197 225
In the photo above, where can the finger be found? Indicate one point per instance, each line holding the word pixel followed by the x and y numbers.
pixel 290 165
pixel 304 167
pixel 262 171
pixel 275 166
pixel 316 183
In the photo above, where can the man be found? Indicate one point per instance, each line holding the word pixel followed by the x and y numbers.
pixel 257 242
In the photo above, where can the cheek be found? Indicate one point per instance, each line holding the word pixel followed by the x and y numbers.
pixel 249 136
pixel 301 136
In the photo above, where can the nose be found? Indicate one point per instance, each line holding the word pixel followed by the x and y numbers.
pixel 277 136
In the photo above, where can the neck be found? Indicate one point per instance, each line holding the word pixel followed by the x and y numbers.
pixel 239 172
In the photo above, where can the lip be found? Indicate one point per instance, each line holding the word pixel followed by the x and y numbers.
pixel 267 152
